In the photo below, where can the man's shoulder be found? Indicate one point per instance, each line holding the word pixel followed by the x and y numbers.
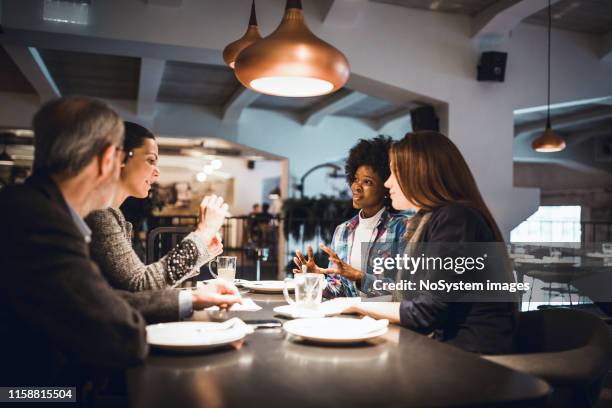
pixel 29 207
pixel 21 200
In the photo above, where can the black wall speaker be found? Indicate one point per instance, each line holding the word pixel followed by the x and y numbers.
pixel 424 118
pixel 251 164
pixel 492 66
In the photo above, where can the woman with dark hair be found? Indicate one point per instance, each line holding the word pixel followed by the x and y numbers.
pixel 111 245
pixel 355 240
pixel 430 176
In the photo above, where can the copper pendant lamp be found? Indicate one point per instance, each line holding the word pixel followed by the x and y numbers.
pixel 292 61
pixel 548 142
pixel 231 51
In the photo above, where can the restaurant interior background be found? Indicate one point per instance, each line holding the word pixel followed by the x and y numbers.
pixel 159 63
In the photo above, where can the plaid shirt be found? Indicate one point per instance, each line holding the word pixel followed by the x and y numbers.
pixel 390 229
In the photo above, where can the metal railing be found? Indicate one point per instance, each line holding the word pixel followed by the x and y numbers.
pixel 242 237
pixel 566 231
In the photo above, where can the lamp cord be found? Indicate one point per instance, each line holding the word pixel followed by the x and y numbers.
pixel 253 19
pixel 548 99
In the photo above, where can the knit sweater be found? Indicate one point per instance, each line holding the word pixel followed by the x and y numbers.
pixel 111 249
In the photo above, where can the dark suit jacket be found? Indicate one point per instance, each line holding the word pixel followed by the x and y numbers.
pixel 56 310
pixel 482 327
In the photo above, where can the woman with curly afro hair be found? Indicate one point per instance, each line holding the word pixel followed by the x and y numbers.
pixel 355 240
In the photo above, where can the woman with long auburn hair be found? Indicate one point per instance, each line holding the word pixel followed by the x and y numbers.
pixel 430 176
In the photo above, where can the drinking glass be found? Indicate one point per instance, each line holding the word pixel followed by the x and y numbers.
pixel 308 289
pixel 226 268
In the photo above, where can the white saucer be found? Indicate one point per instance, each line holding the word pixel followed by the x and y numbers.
pixel 328 308
pixel 295 312
pixel 192 336
pixel 336 330
pixel 268 286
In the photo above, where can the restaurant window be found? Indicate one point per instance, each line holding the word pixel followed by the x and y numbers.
pixel 550 224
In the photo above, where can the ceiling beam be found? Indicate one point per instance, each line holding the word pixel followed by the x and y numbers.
pixel 577 138
pixel 568 163
pixel 237 103
pixel 138 49
pixel 331 105
pixel 165 3
pixel 392 117
pixel 606 48
pixel 497 20
pixel 604 100
pixel 578 156
pixel 344 12
pixel 563 121
pixel 34 69
pixel 151 73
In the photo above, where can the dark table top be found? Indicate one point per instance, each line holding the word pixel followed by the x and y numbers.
pixel 402 368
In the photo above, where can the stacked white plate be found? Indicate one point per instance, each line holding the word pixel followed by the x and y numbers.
pixel 196 336
pixel 337 330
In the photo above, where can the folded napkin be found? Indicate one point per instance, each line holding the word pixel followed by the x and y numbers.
pixel 338 305
pixel 373 324
pixel 346 327
pixel 237 324
pixel 248 305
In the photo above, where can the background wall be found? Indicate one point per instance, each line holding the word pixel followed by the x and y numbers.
pixel 418 52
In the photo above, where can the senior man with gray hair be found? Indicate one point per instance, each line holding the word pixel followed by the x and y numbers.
pixel 60 317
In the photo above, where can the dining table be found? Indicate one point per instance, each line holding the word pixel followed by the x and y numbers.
pixel 269 367
pixel 590 275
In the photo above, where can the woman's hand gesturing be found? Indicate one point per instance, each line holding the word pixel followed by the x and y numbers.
pixel 212 214
pixel 339 266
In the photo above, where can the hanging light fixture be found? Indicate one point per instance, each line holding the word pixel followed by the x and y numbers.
pixel 231 51
pixel 292 61
pixel 548 142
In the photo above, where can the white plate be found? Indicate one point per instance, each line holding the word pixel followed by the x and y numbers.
pixel 267 286
pixel 336 330
pixel 191 336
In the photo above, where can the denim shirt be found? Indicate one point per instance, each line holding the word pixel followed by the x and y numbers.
pixel 390 229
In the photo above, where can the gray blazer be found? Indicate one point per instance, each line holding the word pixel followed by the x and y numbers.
pixel 111 248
